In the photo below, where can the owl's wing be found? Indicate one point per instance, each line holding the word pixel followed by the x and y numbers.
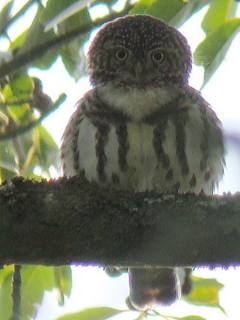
pixel 69 147
pixel 209 135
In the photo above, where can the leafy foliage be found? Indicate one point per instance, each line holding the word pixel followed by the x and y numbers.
pixel 35 280
pixel 211 52
pixel 100 313
pixel 63 281
pixel 218 23
pixel 23 105
pixel 205 292
pixel 5 15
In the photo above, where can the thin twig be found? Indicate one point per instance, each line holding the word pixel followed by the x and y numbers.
pixel 21 130
pixel 38 51
pixel 16 292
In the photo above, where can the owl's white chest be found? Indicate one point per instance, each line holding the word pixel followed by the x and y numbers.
pixel 143 169
pixel 137 103
pixel 139 156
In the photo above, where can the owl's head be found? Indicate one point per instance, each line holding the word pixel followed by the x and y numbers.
pixel 139 51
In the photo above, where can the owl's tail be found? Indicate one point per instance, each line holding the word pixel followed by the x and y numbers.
pixel 153 286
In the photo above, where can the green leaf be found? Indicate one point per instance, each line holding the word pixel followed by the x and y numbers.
pixel 19 41
pixel 205 292
pixel 7 157
pixel 35 148
pixel 47 151
pixel 6 271
pixel 5 294
pixel 175 14
pixel 73 61
pixel 47 138
pixel 141 316
pixel 218 13
pixel 99 313
pixel 59 11
pixel 5 15
pixel 63 281
pixel 78 19
pixel 53 8
pixel 7 163
pixel 22 87
pixel 158 8
pixel 35 280
pixel 192 318
pixel 36 36
pixel 211 51
pixel 71 54
pixel 186 12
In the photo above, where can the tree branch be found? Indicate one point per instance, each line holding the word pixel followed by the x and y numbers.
pixel 16 294
pixel 38 51
pixel 74 221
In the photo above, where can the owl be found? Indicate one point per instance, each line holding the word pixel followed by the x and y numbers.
pixel 143 128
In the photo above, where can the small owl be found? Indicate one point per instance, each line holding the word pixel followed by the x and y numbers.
pixel 143 128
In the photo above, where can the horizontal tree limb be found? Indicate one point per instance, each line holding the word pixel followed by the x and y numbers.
pixel 74 221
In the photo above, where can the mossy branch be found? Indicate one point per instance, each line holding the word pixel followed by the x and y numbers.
pixel 74 221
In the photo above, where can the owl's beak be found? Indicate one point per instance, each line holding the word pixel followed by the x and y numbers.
pixel 139 71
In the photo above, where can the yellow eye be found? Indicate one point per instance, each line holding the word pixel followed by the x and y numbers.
pixel 121 54
pixel 157 56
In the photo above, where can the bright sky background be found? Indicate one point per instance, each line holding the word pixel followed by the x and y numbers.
pixel 91 286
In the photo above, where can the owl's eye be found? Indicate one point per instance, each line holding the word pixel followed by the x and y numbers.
pixel 157 56
pixel 121 54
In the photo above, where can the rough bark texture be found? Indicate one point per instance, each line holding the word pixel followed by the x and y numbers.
pixel 73 221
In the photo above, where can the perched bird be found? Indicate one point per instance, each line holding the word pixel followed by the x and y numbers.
pixel 143 128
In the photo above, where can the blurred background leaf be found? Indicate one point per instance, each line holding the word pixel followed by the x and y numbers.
pixel 63 282
pixel 99 313
pixel 5 15
pixel 212 50
pixel 205 292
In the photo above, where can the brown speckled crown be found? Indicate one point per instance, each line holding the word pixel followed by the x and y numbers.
pixel 138 33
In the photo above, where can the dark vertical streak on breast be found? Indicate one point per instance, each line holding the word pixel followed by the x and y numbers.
pixel 101 140
pixel 158 139
pixel 193 181
pixel 123 145
pixel 180 121
pixel 175 188
pixel 75 146
pixel 204 139
pixel 115 179
pixel 207 175
pixel 169 175
pixel 63 159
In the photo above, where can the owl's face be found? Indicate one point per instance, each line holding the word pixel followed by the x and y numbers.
pixel 139 51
